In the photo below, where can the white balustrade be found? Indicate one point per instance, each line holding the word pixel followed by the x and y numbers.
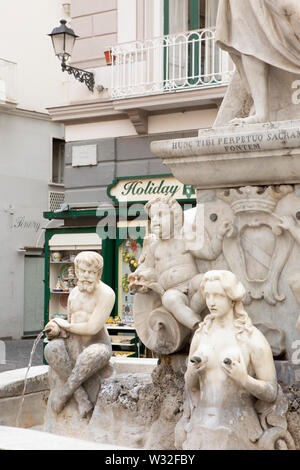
pixel 180 62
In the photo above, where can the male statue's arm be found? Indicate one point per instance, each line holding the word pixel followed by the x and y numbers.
pixel 99 316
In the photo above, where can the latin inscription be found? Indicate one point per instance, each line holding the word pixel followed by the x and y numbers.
pixel 240 142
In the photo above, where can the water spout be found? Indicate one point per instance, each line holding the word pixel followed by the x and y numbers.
pixel 36 342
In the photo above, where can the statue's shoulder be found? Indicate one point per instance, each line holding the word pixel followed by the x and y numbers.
pixel 73 293
pixel 104 289
pixel 258 341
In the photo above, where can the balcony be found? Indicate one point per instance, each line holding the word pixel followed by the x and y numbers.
pixel 8 85
pixel 174 63
pixel 174 73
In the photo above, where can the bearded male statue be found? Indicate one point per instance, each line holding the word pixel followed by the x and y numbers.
pixel 80 349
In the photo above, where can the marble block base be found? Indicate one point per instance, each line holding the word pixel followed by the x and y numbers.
pixel 234 156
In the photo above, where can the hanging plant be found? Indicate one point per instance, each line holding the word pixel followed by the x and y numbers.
pixel 133 264
pixel 125 283
pixel 126 256
pixel 133 245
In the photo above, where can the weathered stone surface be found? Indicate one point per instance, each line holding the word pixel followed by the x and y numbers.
pixel 261 89
pixel 12 382
pixel 33 410
pixel 288 373
pixel 293 415
pixel 139 411
pixel 230 156
pixel 133 365
pixel 150 406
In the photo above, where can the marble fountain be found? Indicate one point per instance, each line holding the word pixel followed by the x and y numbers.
pixel 217 287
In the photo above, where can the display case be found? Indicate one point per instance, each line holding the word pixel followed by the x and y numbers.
pixel 124 341
pixel 62 278
pixel 129 252
pixel 61 248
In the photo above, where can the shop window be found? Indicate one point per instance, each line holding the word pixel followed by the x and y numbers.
pixel 129 253
pixel 33 294
pixel 58 161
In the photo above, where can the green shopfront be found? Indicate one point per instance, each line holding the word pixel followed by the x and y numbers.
pixel 116 230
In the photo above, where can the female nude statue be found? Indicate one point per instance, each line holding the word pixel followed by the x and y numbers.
pixel 230 364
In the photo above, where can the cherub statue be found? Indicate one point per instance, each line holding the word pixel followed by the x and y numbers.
pixel 259 34
pixel 80 347
pixel 230 364
pixel 168 268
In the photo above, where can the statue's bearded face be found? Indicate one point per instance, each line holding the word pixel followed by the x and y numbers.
pixel 87 276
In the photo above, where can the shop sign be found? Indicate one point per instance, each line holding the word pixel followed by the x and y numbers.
pixel 142 189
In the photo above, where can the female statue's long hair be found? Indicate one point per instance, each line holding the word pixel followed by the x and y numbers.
pixel 235 291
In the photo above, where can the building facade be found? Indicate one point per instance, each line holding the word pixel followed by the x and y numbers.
pixel 158 75
pixel 29 147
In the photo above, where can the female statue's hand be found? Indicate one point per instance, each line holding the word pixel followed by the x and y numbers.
pixel 236 369
pixel 199 363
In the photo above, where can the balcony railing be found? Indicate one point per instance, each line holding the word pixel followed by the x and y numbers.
pixel 171 63
pixel 8 85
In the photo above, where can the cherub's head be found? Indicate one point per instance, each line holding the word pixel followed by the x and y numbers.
pixel 88 268
pixel 166 217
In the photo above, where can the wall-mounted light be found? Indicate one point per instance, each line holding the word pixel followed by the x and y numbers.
pixel 63 40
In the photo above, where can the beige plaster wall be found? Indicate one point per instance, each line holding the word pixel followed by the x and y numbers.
pixel 95 21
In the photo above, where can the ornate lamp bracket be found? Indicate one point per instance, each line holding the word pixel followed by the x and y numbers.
pixel 82 75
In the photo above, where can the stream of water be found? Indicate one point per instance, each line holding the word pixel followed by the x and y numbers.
pixel 36 342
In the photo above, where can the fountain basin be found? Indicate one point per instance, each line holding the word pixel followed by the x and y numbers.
pixel 37 390
pixel 138 407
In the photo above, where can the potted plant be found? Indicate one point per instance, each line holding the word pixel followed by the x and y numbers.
pixel 109 57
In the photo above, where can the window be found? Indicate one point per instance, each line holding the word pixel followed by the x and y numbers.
pixel 188 15
pixel 58 161
pixel 190 57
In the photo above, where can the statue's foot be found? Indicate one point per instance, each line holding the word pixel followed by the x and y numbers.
pixel 85 407
pixel 58 401
pixel 255 119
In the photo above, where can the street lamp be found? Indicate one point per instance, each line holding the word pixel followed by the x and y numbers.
pixel 63 40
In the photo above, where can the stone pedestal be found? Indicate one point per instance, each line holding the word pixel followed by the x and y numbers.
pixel 234 156
pixel 249 176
